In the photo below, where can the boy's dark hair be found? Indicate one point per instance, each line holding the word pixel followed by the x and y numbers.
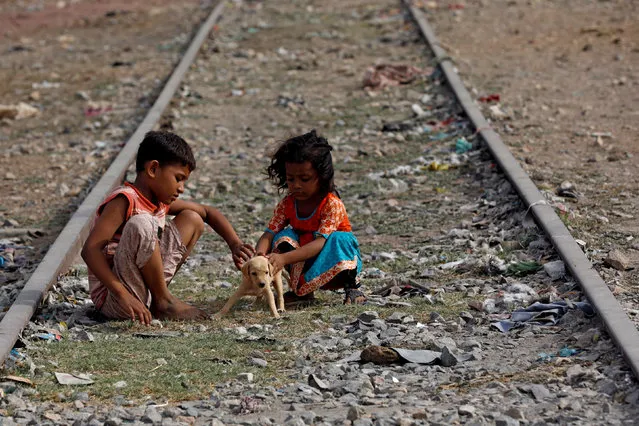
pixel 165 147
pixel 307 147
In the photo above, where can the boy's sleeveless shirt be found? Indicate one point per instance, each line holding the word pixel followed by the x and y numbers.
pixel 138 203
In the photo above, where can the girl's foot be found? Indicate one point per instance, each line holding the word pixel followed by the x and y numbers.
pixel 353 296
pixel 292 300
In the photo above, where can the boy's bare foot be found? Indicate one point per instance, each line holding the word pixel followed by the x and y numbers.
pixel 175 309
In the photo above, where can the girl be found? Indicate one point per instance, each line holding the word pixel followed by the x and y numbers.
pixel 309 232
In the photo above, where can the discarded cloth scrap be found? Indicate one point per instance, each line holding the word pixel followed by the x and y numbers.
pixel 541 314
pixel 384 75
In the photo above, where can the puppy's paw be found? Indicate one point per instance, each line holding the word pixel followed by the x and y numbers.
pixel 276 315
pixel 281 310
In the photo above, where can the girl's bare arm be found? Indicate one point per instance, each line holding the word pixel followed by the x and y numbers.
pixel 263 245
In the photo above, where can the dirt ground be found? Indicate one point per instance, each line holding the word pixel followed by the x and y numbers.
pixel 567 74
pixel 89 70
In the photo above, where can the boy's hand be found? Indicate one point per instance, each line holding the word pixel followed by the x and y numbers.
pixel 241 253
pixel 135 308
pixel 277 261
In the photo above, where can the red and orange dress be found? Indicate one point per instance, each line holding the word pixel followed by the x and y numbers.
pixel 330 221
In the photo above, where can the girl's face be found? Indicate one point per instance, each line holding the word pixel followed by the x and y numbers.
pixel 302 180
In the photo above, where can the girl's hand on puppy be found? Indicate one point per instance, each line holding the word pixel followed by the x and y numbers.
pixel 241 253
pixel 277 261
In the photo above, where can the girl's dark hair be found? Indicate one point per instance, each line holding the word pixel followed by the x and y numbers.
pixel 165 147
pixel 307 147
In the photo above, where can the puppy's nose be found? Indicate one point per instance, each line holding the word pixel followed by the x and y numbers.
pixel 261 285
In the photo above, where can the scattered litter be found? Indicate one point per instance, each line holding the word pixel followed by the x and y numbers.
pixel 436 166
pixel 496 112
pixel 384 75
pixel 567 189
pixel 521 269
pixel 462 146
pixel 157 335
pixel 490 98
pixel 45 85
pixel 385 355
pixel 18 112
pixel 48 336
pixel 73 379
pixel 564 352
pixel 317 383
pixel 18 379
pixel 417 110
pixel 95 109
pixel 541 314
pixel 404 290
pixel 439 136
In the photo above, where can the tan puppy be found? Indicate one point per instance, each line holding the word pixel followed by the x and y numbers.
pixel 257 277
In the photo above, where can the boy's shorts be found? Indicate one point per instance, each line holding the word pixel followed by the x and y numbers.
pixel 137 243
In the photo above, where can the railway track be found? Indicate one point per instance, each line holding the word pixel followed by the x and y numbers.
pixel 447 242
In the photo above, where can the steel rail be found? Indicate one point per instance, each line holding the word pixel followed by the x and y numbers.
pixel 67 245
pixel 619 326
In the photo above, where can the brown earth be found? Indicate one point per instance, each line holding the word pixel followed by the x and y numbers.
pixel 565 71
pixel 91 69
pixel 567 75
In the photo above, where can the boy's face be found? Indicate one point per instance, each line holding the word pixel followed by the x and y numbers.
pixel 168 181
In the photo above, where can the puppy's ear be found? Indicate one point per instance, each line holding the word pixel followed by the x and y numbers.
pixel 270 269
pixel 246 269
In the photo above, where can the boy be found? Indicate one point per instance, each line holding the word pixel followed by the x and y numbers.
pixel 133 253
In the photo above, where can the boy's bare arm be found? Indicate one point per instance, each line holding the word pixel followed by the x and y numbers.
pixel 107 224
pixel 220 224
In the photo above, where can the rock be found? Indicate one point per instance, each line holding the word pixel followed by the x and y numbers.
pixel 258 361
pixel 448 359
pixel 567 189
pixel 354 413
pixel 540 392
pixel 556 270
pixel 396 317
pixel 245 377
pixel 151 416
pixel 368 316
pixel 506 421
pixel 379 355
pixel 466 410
pixel 515 413
pixel 417 110
pixel 617 260
pixel 18 112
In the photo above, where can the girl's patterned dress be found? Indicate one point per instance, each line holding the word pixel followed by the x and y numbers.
pixel 340 252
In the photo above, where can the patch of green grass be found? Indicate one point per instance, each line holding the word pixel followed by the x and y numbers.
pixel 200 355
pixel 195 363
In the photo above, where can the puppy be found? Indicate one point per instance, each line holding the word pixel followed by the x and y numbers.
pixel 257 277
